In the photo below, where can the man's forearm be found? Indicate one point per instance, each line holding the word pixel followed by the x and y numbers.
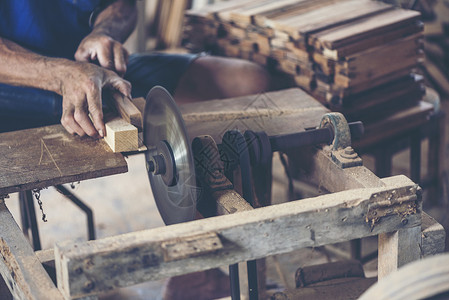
pixel 19 66
pixel 117 20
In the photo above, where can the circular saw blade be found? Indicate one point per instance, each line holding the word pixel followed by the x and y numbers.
pixel 163 122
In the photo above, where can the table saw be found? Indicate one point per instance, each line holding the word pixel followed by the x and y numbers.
pixel 208 160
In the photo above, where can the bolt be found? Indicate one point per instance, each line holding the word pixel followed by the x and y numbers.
pixel 404 221
pixel 78 271
pixel 349 151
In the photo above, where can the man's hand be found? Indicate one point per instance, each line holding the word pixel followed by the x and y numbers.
pixel 81 85
pixel 109 53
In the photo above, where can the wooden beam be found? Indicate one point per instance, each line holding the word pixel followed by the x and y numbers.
pixel 95 266
pixel 321 170
pixel 19 266
pixel 121 136
pixel 127 110
pixel 140 104
pixel 397 249
pixel 433 236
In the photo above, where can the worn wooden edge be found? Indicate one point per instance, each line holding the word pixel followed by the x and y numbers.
pixel 121 136
pixel 64 179
pixel 253 106
pixel 20 267
pixel 321 170
pixel 128 110
pixel 94 266
pixel 398 248
pixel 432 232
pixel 433 236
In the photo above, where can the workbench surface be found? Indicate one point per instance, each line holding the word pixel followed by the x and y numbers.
pixel 279 112
pixel 47 156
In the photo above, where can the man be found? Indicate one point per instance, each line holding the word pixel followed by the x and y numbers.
pixel 57 56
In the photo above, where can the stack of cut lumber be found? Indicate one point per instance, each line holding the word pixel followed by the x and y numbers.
pixel 355 56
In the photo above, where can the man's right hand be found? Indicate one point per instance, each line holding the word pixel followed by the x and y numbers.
pixel 81 84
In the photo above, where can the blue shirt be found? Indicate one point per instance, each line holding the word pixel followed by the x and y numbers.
pixel 49 27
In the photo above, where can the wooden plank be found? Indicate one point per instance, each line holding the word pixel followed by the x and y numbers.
pixel 23 273
pixel 373 41
pixel 140 104
pixel 121 136
pixel 280 112
pixel 328 16
pixel 269 19
pixel 319 168
pixel 396 124
pixel 373 83
pixel 127 110
pixel 245 15
pixel 379 24
pixel 389 58
pixel 271 104
pixel 46 156
pixel 309 275
pixel 94 266
pixel 397 249
pixel 209 11
pixel 228 202
pixel 388 92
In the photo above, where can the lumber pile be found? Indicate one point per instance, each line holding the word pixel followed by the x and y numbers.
pixel 355 56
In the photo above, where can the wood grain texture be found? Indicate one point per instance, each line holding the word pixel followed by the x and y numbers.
pixel 433 236
pixel 318 168
pixel 42 157
pixel 280 112
pixel 127 110
pixel 23 273
pixel 397 249
pixel 94 266
pixel 328 16
pixel 121 136
pixel 379 24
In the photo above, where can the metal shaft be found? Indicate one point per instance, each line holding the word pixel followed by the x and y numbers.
pixel 311 137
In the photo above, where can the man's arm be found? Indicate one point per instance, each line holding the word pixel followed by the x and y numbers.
pixel 79 82
pixel 105 43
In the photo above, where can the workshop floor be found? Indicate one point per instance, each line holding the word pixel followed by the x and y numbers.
pixel 124 203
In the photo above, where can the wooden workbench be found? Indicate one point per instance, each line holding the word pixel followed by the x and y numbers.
pixel 41 157
pixel 361 205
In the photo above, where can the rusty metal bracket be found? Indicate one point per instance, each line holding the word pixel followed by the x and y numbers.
pixel 342 133
pixel 408 204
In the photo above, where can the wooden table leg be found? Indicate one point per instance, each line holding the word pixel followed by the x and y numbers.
pixel 397 249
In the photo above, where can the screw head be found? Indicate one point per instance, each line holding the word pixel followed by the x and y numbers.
pixel 349 151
